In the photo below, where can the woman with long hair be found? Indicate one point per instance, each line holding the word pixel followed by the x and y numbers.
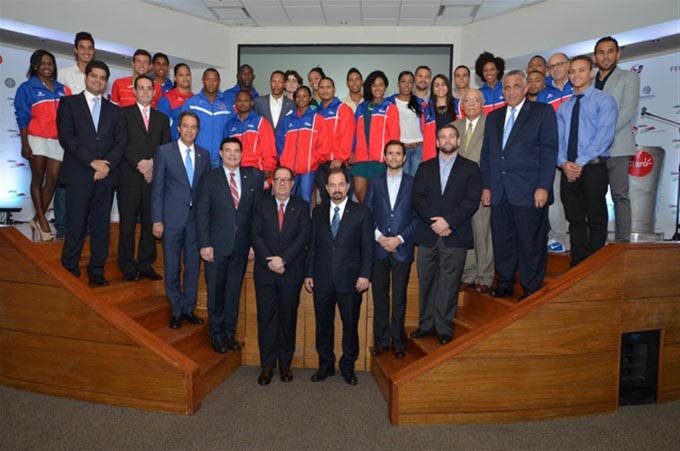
pixel 377 123
pixel 292 81
pixel 490 70
pixel 172 101
pixel 35 103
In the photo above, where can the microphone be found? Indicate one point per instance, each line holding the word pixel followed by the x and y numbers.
pixel 643 111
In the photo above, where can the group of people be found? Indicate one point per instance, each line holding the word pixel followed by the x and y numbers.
pixel 467 175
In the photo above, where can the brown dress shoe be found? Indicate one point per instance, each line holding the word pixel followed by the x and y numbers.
pixel 480 288
pixel 377 350
pixel 464 286
pixel 286 374
pixel 265 376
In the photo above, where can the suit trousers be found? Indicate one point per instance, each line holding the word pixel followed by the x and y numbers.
pixel 179 246
pixel 349 305
pixel 440 269
pixel 479 260
pixel 87 205
pixel 224 278
pixel 618 181
pixel 384 327
pixel 520 239
pixel 277 309
pixel 585 204
pixel 134 201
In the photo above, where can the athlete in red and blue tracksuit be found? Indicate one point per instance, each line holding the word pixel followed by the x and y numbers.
pixel 493 97
pixel 36 107
pixel 384 127
pixel 213 117
pixel 171 105
pixel 340 125
pixel 551 95
pixel 230 94
pixel 428 128
pixel 302 142
pixel 561 95
pixel 257 141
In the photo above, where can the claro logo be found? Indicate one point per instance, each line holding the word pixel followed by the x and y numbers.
pixel 641 164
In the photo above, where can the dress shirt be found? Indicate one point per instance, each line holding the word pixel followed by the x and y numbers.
pixel 141 110
pixel 183 153
pixel 90 100
pixel 518 109
pixel 237 177
pixel 73 78
pixel 445 169
pixel 599 84
pixel 474 123
pixel 275 107
pixel 341 212
pixel 409 123
pixel 596 126
pixel 393 184
pixel 278 202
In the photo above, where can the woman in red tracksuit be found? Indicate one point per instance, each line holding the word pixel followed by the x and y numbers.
pixel 35 103
pixel 302 142
pixel 377 124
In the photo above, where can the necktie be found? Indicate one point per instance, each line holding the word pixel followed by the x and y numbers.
pixel 145 115
pixel 468 135
pixel 335 223
pixel 281 216
pixel 508 126
pixel 572 145
pixel 189 166
pixel 233 187
pixel 96 109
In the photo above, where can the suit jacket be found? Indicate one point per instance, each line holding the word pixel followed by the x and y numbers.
pixel 338 263
pixel 83 143
pixel 261 107
pixel 289 243
pixel 529 158
pixel 219 224
pixel 140 142
pixel 456 205
pixel 474 150
pixel 172 196
pixel 624 86
pixel 398 221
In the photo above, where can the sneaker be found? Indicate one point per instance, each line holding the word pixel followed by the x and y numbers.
pixel 555 246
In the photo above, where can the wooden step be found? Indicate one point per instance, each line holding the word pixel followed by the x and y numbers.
pixel 478 310
pixel 172 336
pixel 385 365
pixel 558 264
pixel 137 308
pixel 431 343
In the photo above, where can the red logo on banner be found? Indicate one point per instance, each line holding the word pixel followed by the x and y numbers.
pixel 0 59
pixel 641 164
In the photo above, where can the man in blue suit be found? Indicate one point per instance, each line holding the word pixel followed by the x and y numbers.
pixel 177 172
pixel 93 134
pixel 518 161
pixel 389 198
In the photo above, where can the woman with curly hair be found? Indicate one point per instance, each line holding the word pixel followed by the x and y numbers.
pixel 490 69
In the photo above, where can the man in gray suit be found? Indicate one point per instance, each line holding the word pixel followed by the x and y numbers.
pixel 478 272
pixel 624 86
pixel 274 105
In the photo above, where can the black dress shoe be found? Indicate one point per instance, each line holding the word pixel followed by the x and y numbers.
pixel 131 276
pixel 399 353
pixel 525 295
pixel 233 344
pixel 420 333
pixel 98 281
pixel 150 274
pixel 444 339
pixel 219 345
pixel 321 376
pixel 175 322
pixel 193 319
pixel 501 293
pixel 286 374
pixel 377 350
pixel 265 376
pixel 350 378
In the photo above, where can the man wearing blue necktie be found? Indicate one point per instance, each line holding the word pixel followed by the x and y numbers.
pixel 518 162
pixel 177 171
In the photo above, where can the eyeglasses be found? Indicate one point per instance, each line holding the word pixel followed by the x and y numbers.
pixel 556 65
pixel 282 180
pixel 472 100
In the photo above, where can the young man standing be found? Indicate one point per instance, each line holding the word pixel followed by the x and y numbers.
pixel 123 89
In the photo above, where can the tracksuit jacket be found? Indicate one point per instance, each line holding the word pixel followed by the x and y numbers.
pixel 340 125
pixel 257 140
pixel 302 141
pixel 493 97
pixel 171 105
pixel 36 107
pixel 213 117
pixel 384 127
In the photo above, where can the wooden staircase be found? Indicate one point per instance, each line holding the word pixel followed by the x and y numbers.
pixel 109 344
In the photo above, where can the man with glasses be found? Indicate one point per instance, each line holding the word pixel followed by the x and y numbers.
pixel 279 235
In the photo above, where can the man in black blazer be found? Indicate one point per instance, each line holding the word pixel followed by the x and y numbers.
pixel 178 169
pixel 146 129
pixel 389 198
pixel 518 159
pixel 280 234
pixel 224 210
pixel 446 193
pixel 92 133
pixel 276 104
pixel 338 268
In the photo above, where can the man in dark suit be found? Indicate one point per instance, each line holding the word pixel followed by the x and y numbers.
pixel 338 268
pixel 92 133
pixel 389 198
pixel 518 160
pixel 446 193
pixel 146 130
pixel 224 211
pixel 280 235
pixel 177 171
pixel 274 105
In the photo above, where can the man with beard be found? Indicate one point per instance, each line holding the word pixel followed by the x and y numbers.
pixel 423 77
pixel 338 269
pixel 446 193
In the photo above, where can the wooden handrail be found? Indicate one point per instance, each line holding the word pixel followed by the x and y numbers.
pixel 113 315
